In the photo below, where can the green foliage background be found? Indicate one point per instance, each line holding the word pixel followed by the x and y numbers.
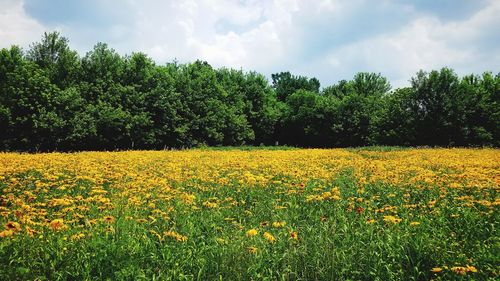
pixel 52 99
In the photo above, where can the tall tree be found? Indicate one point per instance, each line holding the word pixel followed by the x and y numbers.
pixel 437 106
pixel 285 84
pixel 54 56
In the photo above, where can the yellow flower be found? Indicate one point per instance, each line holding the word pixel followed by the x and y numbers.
pixel 108 219
pixel 211 205
pixel 436 269
pixel 77 236
pixel 6 233
pixel 471 268
pixel 13 226
pixel 414 223
pixel 30 231
pixel 392 219
pixel 252 232
pixel 57 224
pixel 269 237
pixel 459 270
pixel 252 250
pixel 294 235
pixel 178 237
pixel 314 198
pixel 156 234
pixel 370 221
pixel 278 224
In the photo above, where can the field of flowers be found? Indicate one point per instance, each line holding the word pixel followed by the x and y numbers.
pixel 297 214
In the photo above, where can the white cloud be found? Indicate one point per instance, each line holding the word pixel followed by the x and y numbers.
pixel 425 43
pixel 17 28
pixel 329 39
pixel 186 31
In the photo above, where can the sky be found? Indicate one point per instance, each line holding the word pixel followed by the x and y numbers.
pixel 327 39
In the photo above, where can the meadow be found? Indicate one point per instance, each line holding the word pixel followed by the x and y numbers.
pixel 251 214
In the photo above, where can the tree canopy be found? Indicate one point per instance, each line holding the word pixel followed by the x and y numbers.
pixel 53 99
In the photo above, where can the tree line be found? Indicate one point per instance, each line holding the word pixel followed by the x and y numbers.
pixel 53 99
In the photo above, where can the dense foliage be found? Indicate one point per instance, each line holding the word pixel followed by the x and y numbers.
pixel 52 99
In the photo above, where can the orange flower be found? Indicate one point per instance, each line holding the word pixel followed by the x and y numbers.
pixel 108 219
pixel 459 270
pixel 13 226
pixel 57 224
pixel 30 231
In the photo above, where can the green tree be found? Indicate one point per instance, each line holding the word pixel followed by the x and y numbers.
pixel 438 107
pixel 285 84
pixel 481 103
pixel 303 119
pixel 54 56
pixel 396 124
pixel 27 104
pixel 10 59
pixel 359 105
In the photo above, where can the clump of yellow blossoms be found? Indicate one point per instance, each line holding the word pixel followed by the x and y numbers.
pixel 462 270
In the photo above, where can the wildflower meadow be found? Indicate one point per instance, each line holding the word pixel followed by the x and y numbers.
pixel 257 214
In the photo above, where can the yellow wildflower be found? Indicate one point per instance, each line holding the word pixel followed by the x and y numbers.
pixel 77 236
pixel 392 219
pixel 252 250
pixel 436 269
pixel 57 224
pixel 178 237
pixel 6 233
pixel 269 237
pixel 13 226
pixel 108 219
pixel 459 270
pixel 471 268
pixel 278 224
pixel 252 232
pixel 156 234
